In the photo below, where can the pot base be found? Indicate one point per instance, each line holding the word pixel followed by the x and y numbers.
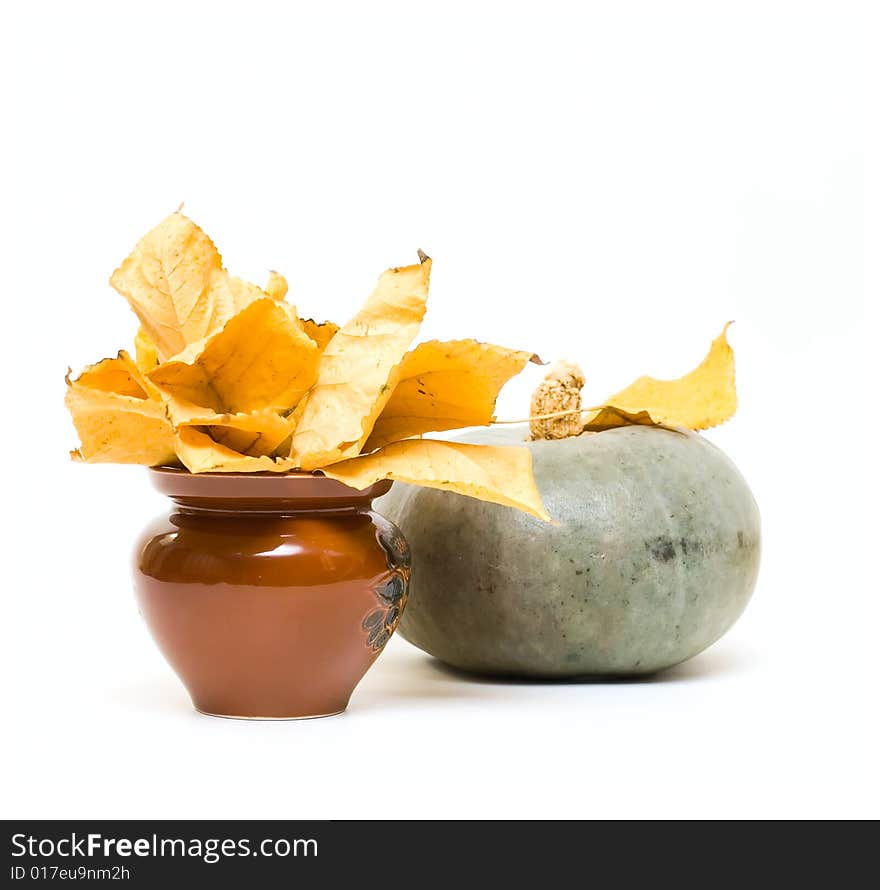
pixel 244 717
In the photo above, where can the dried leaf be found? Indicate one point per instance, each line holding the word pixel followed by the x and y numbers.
pixel 255 433
pixel 608 418
pixel 199 453
pixel 321 332
pixel 234 294
pixel 116 419
pixel 260 359
pixel 446 386
pixel 499 474
pixel 701 399
pixel 276 286
pixel 356 373
pixel 146 354
pixel 118 375
pixel 175 282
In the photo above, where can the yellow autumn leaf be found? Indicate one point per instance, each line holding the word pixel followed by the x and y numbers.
pixel 116 418
pixel 175 282
pixel 260 359
pixel 609 417
pixel 276 286
pixel 232 295
pixel 357 369
pixel 499 474
pixel 446 386
pixel 146 356
pixel 255 433
pixel 701 399
pixel 199 453
pixel 321 332
pixel 118 375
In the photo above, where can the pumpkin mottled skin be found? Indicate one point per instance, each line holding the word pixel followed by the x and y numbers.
pixel 654 557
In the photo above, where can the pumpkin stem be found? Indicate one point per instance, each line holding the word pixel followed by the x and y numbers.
pixel 556 403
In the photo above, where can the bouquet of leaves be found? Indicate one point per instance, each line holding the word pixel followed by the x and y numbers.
pixel 227 377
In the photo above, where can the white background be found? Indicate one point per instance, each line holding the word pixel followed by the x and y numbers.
pixel 606 182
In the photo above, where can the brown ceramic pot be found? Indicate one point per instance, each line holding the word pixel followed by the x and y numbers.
pixel 269 595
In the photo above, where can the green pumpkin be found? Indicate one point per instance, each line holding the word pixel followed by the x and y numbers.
pixel 653 557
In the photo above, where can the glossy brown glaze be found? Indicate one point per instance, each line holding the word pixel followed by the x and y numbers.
pixel 270 596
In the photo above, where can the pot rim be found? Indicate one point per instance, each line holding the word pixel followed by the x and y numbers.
pixel 291 486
